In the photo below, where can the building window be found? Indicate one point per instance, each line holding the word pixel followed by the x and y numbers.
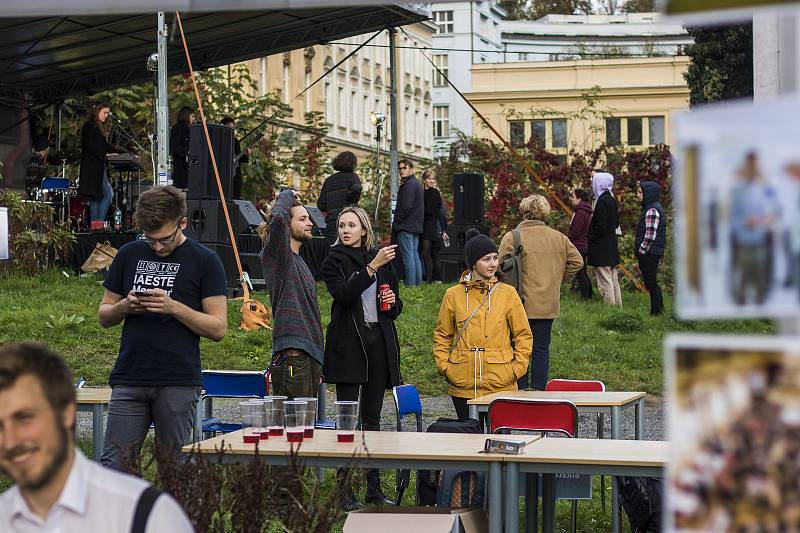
pixel 329 118
pixel 559 127
pixel 341 106
pixel 444 21
pixel 440 60
pixel 634 131
pixel 539 133
pixel 523 56
pixel 613 131
pixel 656 130
pixel 441 121
pixel 517 133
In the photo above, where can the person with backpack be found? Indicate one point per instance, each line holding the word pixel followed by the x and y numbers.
pixel 547 259
pixel 362 352
pixel 482 340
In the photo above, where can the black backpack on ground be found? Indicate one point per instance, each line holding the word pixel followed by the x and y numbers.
pixel 452 488
pixel 641 499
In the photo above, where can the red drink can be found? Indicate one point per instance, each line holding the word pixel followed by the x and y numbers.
pixel 384 287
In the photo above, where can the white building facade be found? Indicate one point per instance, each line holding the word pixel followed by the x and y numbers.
pixel 466 33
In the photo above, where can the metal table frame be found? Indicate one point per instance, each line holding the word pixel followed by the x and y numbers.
pixel 98 411
pixel 615 419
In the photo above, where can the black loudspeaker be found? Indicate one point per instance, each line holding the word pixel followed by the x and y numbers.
pixel 202 180
pixel 451 259
pixel 468 199
pixel 251 263
pixel 206 220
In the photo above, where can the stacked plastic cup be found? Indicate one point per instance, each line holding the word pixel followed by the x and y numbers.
pixel 276 424
pixel 265 418
pixel 346 420
pixel 250 413
pixel 294 419
pixel 311 416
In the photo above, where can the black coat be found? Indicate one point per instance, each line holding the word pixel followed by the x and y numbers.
pixel 431 227
pixel 179 149
pixel 94 147
pixel 345 274
pixel 410 211
pixel 603 248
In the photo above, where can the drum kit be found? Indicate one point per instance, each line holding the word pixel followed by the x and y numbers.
pixel 59 193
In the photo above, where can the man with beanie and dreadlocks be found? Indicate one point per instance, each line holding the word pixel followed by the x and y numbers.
pixel 482 340
pixel 548 259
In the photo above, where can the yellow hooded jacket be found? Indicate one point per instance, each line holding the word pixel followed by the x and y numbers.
pixel 484 360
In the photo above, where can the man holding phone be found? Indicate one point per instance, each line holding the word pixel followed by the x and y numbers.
pixel 168 291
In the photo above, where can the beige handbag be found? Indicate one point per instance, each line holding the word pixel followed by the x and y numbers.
pixel 100 258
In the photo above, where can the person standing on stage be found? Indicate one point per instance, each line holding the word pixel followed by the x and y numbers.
pixel 434 226
pixel 94 172
pixel 297 342
pixel 179 147
pixel 240 158
pixel 339 190
pixel 409 216
pixel 168 291
pixel 362 352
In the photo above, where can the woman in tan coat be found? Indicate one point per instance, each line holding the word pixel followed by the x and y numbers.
pixel 479 359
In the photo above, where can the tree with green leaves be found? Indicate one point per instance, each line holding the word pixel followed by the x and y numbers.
pixel 639 6
pixel 722 63
pixel 536 9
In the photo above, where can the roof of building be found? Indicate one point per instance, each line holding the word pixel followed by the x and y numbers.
pixel 593 26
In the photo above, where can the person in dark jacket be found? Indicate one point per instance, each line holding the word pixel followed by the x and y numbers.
pixel 578 235
pixel 409 216
pixel 603 252
pixel 362 352
pixel 179 147
pixel 434 226
pixel 651 240
pixel 339 190
pixel 93 173
pixel 240 158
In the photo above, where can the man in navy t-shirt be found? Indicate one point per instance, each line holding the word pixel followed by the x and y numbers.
pixel 169 291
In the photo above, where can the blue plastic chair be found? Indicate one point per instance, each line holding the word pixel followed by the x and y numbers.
pixel 406 402
pixel 226 384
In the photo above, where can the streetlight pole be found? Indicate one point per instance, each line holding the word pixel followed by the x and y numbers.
pixel 162 105
pixel 393 117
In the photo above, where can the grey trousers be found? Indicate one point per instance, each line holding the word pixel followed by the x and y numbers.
pixel 133 409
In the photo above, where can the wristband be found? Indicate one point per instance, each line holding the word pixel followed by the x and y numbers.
pixel 371 269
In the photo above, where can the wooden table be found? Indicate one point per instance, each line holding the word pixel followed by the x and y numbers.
pixel 384 449
pixel 550 456
pixel 95 401
pixel 610 403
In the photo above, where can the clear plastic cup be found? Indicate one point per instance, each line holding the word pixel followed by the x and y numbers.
pixel 276 424
pixel 311 416
pixel 294 419
pixel 250 413
pixel 265 417
pixel 346 420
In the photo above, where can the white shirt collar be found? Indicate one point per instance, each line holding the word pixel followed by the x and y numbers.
pixel 73 495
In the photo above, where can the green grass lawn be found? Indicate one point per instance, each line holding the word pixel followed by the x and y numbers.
pixel 590 340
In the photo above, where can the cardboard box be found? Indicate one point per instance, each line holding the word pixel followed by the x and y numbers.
pixel 391 519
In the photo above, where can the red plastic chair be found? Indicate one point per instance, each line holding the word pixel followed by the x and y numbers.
pixel 545 416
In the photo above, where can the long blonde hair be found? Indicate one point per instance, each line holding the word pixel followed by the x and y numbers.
pixel 368 240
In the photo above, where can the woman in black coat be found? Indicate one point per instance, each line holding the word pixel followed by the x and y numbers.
pixel 179 147
pixel 93 173
pixel 434 225
pixel 362 352
pixel 603 252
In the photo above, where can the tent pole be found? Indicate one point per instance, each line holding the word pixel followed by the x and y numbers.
pixel 58 106
pixel 162 112
pixel 393 117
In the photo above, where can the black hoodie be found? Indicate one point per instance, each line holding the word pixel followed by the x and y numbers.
pixel 651 192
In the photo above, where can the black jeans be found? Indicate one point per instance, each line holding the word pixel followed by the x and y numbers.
pixel 429 251
pixel 540 358
pixel 584 283
pixel 461 407
pixel 648 265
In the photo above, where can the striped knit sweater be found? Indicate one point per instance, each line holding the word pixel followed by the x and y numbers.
pixel 292 291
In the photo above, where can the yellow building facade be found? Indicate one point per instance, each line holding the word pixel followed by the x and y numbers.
pixel 581 104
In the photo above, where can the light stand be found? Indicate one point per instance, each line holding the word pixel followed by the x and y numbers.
pixel 377 120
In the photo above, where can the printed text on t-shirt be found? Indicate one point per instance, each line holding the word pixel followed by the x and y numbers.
pixel 155 275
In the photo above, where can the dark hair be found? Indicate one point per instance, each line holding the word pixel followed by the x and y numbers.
pixel 227 120
pixel 406 162
pixel 581 194
pixel 598 170
pixel 158 206
pixel 93 116
pixel 32 359
pixel 345 162
pixel 184 113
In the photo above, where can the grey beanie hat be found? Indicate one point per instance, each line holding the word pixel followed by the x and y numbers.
pixel 477 246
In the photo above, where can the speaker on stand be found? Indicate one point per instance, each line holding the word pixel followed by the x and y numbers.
pixel 202 180
pixel 468 199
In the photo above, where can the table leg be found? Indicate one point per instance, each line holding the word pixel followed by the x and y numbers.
pixel 639 411
pixel 321 396
pixel 98 431
pixel 473 411
pixel 548 504
pixel 616 430
pixel 495 497
pixel 531 503
pixel 512 497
